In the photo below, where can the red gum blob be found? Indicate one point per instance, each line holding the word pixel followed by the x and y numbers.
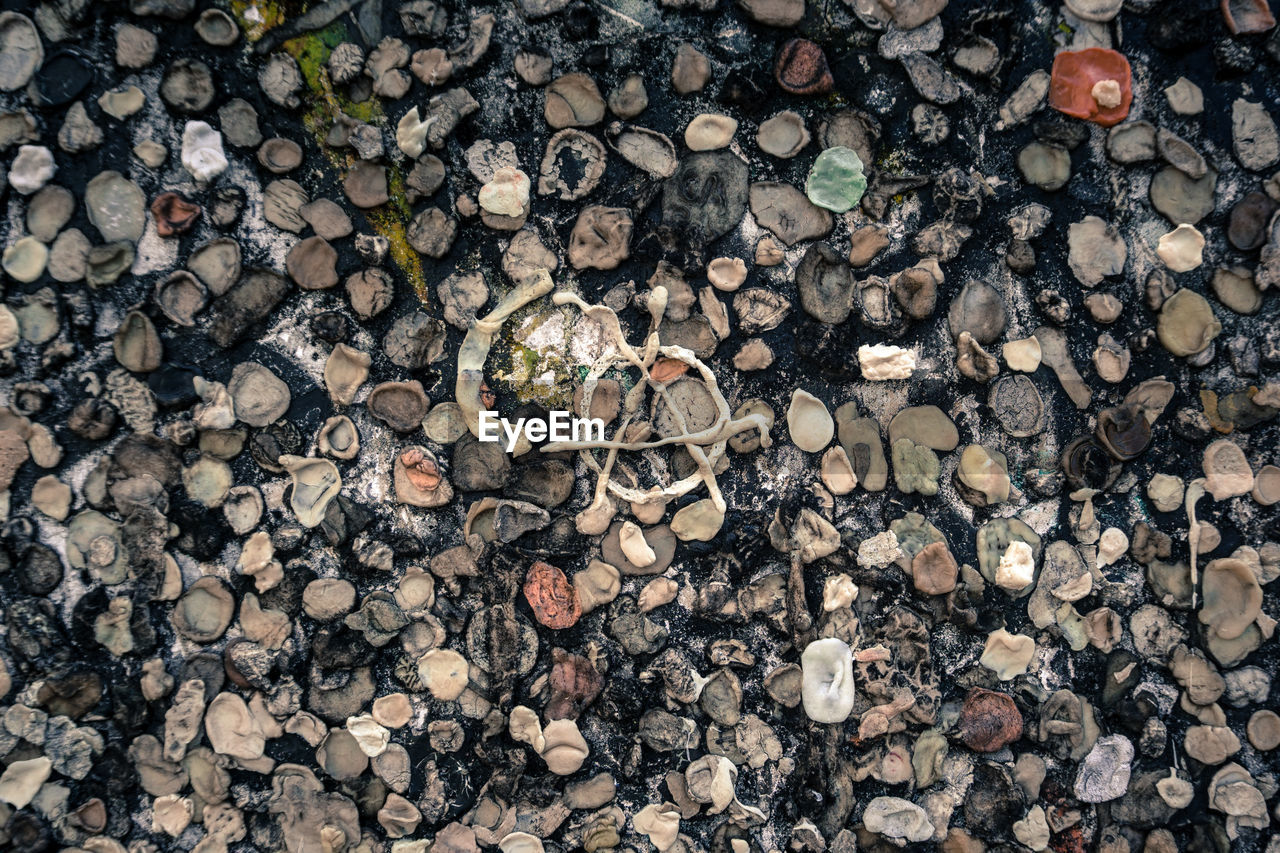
pixel 1074 74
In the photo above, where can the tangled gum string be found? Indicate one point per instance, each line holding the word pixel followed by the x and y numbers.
pixel 475 350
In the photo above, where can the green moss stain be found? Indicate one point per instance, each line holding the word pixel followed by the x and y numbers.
pixel 521 368
pixel 311 51
pixel 525 369
pixel 892 160
pixel 257 16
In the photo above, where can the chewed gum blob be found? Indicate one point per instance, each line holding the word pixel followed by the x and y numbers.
pixel 1094 84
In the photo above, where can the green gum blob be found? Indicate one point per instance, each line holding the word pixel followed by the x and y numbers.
pixel 836 181
pixel 915 467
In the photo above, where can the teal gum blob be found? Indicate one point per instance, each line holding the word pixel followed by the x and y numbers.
pixel 836 181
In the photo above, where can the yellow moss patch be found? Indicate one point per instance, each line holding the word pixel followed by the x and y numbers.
pixel 389 224
pixel 894 160
pixel 311 51
pixel 257 16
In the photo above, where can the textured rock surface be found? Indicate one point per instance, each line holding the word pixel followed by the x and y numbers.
pixel 937 361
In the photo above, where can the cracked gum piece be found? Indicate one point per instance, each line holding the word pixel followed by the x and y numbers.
pixel 1074 85
pixel 1247 16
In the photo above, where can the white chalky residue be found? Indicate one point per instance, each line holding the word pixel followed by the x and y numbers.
pixel 1042 516
pixel 154 253
pixel 542 331
pixel 588 341
pixel 261 243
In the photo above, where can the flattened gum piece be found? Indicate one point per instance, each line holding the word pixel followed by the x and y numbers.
pixel 1053 352
pixel 1077 72
pixel 871 467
